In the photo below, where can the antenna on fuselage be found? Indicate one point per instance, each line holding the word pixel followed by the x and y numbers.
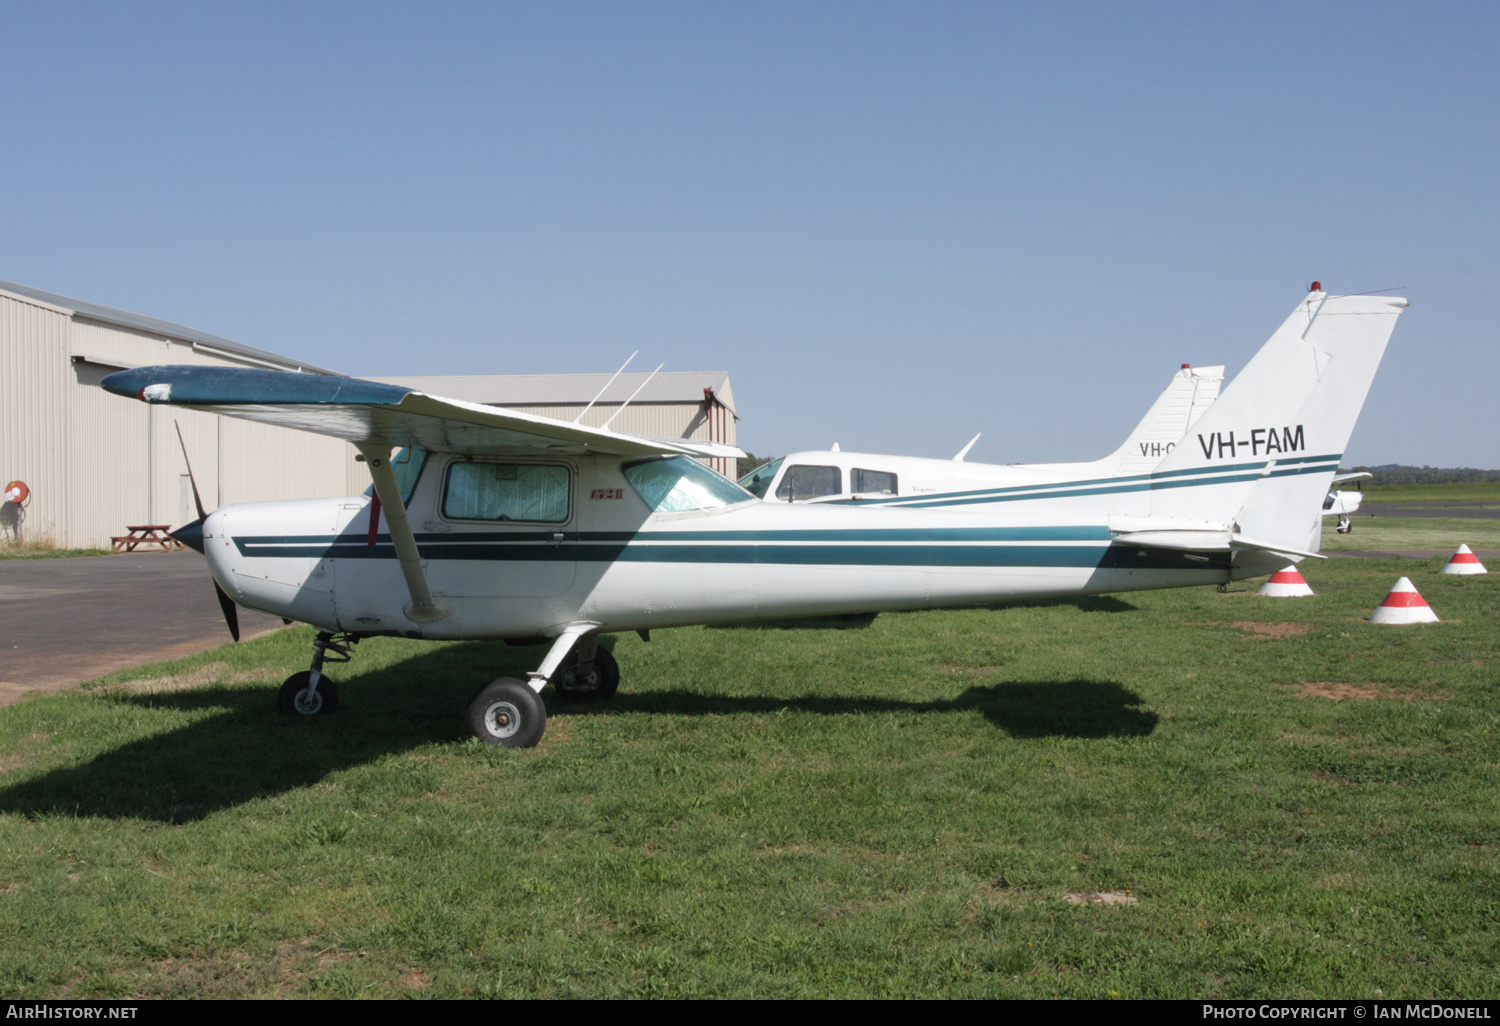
pixel 965 450
pixel 637 392
pixel 611 381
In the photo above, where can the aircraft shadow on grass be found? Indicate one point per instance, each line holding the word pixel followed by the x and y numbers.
pixel 1023 709
pixel 243 750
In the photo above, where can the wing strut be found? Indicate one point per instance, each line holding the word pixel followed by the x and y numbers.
pixel 422 608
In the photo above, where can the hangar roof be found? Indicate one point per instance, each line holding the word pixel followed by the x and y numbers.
pixel 571 389
pixel 124 318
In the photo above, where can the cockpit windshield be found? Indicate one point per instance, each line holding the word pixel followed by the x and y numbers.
pixel 758 480
pixel 407 465
pixel 677 484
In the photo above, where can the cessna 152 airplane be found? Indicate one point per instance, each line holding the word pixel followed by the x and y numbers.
pixel 837 476
pixel 500 524
pixel 1344 504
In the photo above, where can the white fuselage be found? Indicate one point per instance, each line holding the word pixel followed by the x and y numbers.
pixel 836 476
pixel 614 562
pixel 1342 503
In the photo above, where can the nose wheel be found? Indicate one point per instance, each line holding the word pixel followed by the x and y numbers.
pixel 298 696
pixel 309 693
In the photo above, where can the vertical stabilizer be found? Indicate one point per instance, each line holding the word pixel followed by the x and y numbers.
pixel 1190 394
pixel 1262 458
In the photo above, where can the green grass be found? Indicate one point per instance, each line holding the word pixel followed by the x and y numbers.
pixel 888 808
pixel 1478 491
pixel 1386 534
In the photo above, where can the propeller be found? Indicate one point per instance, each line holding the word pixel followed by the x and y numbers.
pixel 191 535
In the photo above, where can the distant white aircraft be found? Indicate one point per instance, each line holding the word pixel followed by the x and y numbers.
pixel 1344 504
pixel 501 524
pixel 837 476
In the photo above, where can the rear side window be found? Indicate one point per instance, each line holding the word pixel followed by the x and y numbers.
pixel 877 481
pixel 805 482
pixel 507 491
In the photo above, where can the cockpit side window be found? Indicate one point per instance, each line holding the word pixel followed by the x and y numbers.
pixel 877 481
pixel 407 465
pixel 808 482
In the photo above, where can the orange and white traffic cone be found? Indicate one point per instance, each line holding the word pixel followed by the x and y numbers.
pixel 1404 604
pixel 1286 583
pixel 1464 562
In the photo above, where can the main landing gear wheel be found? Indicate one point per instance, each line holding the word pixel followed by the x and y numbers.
pixel 507 713
pixel 598 684
pixel 297 697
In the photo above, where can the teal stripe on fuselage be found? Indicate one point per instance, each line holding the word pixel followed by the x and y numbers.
pixel 1078 545
pixel 930 503
pixel 343 544
pixel 1229 473
pixel 1034 532
pixel 1309 459
pixel 1084 556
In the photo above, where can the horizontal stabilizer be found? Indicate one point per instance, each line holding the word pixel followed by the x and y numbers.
pixel 1202 539
pixel 1191 541
pixel 1242 542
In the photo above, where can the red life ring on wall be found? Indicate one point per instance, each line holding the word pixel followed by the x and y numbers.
pixel 17 491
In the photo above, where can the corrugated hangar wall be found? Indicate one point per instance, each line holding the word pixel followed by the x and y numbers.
pixel 675 404
pixel 96 463
pixel 659 420
pixel 34 404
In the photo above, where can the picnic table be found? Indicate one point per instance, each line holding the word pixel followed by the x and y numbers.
pixel 146 534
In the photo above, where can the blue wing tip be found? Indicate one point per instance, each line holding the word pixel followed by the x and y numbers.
pixel 181 385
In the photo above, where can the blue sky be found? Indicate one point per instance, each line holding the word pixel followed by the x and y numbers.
pixel 893 224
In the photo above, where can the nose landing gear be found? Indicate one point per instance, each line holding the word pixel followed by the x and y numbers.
pixel 297 695
pixel 309 693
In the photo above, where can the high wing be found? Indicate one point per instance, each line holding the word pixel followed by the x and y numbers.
pixel 372 413
pixel 1341 478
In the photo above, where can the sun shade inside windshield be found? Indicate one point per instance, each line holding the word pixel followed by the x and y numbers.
pixel 677 484
pixel 507 491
